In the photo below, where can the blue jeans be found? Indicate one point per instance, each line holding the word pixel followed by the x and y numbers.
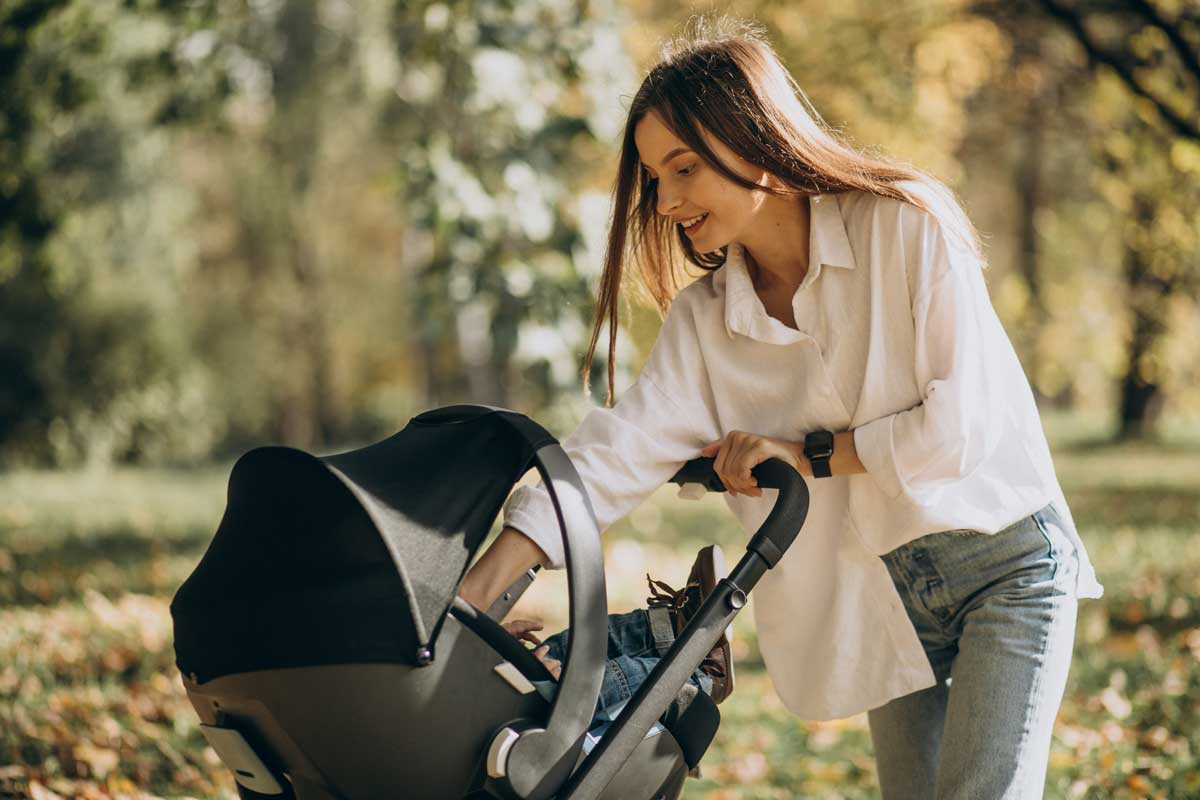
pixel 632 653
pixel 996 617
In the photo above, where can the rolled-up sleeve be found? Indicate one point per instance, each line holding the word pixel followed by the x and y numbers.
pixel 917 452
pixel 624 453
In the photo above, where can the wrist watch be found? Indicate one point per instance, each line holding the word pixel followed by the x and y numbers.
pixel 818 448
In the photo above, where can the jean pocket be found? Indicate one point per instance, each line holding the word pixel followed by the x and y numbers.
pixel 1059 547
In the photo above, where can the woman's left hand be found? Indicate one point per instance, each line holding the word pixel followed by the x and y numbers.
pixel 739 452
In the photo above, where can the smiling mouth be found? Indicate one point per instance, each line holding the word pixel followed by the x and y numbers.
pixel 695 226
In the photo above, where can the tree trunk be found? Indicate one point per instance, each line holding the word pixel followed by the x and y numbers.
pixel 1141 396
pixel 312 332
pixel 1028 201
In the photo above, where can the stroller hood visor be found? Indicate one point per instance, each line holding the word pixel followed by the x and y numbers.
pixel 349 558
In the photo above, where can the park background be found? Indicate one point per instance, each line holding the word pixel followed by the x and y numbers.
pixel 228 223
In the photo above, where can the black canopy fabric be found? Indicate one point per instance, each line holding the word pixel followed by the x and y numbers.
pixel 354 557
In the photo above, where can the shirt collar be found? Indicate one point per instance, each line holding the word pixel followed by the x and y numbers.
pixel 829 246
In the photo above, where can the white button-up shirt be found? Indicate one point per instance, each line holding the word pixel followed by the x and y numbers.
pixel 897 341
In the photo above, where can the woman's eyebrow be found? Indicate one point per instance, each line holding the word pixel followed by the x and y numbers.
pixel 674 153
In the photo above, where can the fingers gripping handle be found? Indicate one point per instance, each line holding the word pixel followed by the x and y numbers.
pixel 788 514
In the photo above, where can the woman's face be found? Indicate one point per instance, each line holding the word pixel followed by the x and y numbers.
pixel 688 187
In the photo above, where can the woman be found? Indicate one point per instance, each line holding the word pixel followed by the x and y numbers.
pixel 935 581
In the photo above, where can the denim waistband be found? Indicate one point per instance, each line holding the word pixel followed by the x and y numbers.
pixel 944 565
pixel 1042 515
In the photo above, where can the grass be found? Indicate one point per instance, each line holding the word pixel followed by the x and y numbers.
pixel 91 704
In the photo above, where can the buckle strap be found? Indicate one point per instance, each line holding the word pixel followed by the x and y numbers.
pixel 661 628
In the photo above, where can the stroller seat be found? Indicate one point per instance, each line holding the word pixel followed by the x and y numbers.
pixel 367 722
pixel 326 652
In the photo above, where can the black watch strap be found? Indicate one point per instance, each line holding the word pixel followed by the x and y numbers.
pixel 818 449
pixel 821 468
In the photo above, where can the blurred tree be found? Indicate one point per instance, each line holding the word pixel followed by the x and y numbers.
pixel 86 260
pixel 1161 234
pixel 1028 153
pixel 216 299
pixel 28 309
pixel 1152 47
pixel 265 289
pixel 296 292
pixel 501 109
pixel 483 118
pixel 1151 155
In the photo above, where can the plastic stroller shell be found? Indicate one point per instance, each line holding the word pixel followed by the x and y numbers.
pixel 308 628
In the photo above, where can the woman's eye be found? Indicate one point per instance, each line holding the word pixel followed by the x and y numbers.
pixel 685 171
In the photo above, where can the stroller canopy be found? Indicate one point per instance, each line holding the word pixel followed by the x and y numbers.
pixel 354 557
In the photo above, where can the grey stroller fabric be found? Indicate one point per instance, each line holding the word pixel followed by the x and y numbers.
pixel 353 557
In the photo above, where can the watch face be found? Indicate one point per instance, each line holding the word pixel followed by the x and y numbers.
pixel 818 444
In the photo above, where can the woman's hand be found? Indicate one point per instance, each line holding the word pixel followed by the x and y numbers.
pixel 523 629
pixel 739 452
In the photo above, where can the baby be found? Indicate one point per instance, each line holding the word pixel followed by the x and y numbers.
pixel 638 639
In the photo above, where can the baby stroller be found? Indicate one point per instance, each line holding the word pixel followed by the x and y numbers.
pixel 324 648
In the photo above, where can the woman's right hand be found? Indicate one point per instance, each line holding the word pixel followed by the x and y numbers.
pixel 502 563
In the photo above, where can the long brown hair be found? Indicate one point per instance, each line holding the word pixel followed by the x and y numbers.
pixel 729 80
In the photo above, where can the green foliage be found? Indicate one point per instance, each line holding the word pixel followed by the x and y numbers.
pixel 204 251
pixel 95 366
pixel 229 223
pixel 503 107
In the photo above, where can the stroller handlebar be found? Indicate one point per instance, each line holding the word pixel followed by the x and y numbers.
pixel 788 514
pixel 699 470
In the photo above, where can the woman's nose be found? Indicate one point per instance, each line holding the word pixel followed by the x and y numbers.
pixel 667 205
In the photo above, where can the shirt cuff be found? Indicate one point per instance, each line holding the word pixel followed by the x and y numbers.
pixel 873 442
pixel 530 510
